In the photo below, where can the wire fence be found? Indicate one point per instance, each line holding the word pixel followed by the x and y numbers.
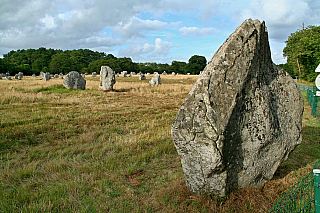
pixel 312 98
pixel 300 198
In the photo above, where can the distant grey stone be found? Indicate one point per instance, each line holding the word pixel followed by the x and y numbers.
pixel 94 74
pixel 188 73
pixel 132 73
pixel 46 76
pixel 124 73
pixel 74 80
pixel 164 73
pixel 241 118
pixel 56 76
pixel 83 75
pixel 173 73
pixel 34 75
pixel 61 77
pixel 8 78
pixel 142 77
pixel 148 74
pixel 19 77
pixel 20 74
pixel 107 78
pixel 156 80
pixel 16 76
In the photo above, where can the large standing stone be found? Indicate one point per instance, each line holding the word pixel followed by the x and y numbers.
pixel 241 119
pixel 74 80
pixel 107 78
pixel 155 80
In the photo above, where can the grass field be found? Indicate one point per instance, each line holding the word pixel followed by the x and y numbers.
pixel 92 151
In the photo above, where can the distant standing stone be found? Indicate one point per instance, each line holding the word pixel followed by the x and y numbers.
pixel 124 73
pixel 8 78
pixel 173 73
pixel 20 74
pixel 34 75
pixel 46 76
pixel 74 80
pixel 94 74
pixel 156 80
pixel 142 77
pixel 56 76
pixel 107 78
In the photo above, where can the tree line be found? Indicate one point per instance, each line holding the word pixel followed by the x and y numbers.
pixel 34 61
pixel 302 51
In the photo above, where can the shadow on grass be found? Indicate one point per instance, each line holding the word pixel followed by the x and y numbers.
pixel 306 153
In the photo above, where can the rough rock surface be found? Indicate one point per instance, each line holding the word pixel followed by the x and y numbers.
pixel 155 80
pixel 241 119
pixel 107 78
pixel 74 80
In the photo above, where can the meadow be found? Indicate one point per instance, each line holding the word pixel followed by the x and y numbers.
pixel 92 151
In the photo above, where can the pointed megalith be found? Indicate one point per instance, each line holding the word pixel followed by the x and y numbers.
pixel 107 78
pixel 241 119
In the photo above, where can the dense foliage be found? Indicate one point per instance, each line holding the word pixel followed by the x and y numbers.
pixel 33 61
pixel 303 53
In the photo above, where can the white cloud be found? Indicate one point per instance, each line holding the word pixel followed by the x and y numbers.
pixel 137 49
pixel 135 26
pixel 48 22
pixel 282 17
pixel 185 31
pixel 162 47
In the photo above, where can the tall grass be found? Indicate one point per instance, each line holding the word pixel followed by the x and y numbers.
pixel 93 151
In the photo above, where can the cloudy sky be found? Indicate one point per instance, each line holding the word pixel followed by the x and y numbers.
pixel 147 30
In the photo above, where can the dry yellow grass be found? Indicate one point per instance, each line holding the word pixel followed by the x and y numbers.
pixel 93 151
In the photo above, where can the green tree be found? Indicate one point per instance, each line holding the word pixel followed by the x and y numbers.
pixel 61 63
pixel 179 67
pixel 303 52
pixel 196 64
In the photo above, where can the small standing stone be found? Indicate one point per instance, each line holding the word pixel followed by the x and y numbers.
pixel 124 73
pixel 142 77
pixel 107 78
pixel 74 80
pixel 156 80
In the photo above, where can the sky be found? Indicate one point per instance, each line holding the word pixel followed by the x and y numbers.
pixel 158 31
